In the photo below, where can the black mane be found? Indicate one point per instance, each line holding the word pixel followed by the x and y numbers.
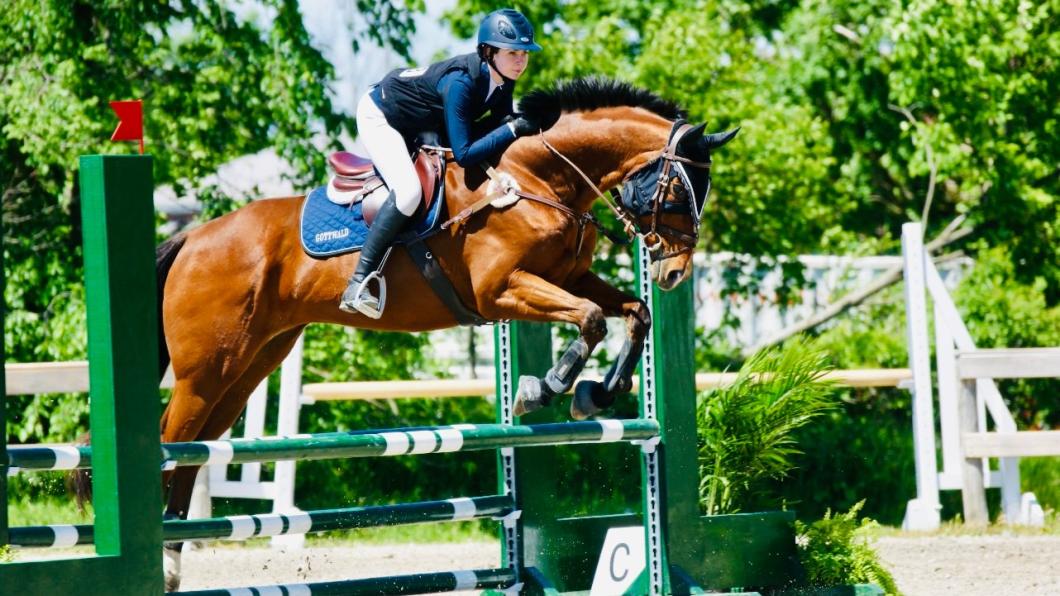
pixel 590 93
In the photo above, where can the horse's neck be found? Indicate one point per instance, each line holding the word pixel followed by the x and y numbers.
pixel 605 150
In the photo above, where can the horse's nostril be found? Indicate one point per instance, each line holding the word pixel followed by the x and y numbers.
pixel 674 277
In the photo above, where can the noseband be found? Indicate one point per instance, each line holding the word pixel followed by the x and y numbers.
pixel 625 208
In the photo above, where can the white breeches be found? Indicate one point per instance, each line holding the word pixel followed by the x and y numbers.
pixel 386 148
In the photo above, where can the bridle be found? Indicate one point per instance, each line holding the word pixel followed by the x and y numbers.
pixel 624 209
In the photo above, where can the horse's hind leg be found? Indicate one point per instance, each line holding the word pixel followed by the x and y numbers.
pixel 270 357
pixel 591 397
pixel 223 415
pixel 192 402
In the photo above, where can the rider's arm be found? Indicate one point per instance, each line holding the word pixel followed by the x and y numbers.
pixel 457 97
pixel 503 109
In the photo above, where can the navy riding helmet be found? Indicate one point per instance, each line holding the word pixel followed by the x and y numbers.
pixel 507 29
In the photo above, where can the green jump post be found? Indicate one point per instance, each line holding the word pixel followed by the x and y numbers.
pixel 118 218
pixel 556 548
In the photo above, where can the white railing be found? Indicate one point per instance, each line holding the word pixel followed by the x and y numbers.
pixel 213 481
pixel 968 401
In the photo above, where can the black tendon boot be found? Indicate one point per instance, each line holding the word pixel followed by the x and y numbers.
pixel 358 297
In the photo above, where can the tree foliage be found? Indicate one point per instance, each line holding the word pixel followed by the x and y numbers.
pixel 216 85
pixel 849 111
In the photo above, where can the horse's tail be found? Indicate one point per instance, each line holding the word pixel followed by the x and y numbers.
pixel 80 481
pixel 165 254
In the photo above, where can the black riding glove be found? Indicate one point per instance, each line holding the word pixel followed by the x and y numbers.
pixel 523 126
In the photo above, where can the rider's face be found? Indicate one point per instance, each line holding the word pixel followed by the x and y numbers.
pixel 511 63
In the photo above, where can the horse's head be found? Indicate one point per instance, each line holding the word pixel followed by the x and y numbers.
pixel 610 123
pixel 667 195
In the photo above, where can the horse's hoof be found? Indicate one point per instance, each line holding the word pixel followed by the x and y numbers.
pixel 531 395
pixel 587 396
pixel 171 567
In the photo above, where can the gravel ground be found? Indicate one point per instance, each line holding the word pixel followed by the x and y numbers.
pixel 229 566
pixel 922 565
pixel 973 565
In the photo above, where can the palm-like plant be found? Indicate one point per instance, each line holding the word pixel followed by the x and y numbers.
pixel 746 428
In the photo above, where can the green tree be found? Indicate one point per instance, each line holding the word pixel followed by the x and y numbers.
pixel 851 112
pixel 854 113
pixel 216 85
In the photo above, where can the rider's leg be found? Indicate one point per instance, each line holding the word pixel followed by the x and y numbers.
pixel 386 147
pixel 358 296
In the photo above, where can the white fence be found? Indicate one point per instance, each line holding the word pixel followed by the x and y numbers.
pixel 969 402
pixel 965 376
pixel 213 481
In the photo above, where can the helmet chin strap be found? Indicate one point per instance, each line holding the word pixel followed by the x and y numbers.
pixel 493 65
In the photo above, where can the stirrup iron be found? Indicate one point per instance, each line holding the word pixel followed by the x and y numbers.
pixel 362 288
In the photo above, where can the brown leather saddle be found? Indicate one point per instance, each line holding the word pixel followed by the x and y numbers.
pixel 356 174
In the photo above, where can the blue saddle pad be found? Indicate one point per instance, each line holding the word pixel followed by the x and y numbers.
pixel 328 229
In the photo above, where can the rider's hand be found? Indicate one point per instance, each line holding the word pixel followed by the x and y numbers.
pixel 523 126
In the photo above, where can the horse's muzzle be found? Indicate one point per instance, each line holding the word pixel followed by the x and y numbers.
pixel 670 273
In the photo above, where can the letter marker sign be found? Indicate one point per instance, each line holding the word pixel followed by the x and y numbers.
pixel 622 561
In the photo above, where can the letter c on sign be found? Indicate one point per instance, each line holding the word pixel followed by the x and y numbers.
pixel 614 555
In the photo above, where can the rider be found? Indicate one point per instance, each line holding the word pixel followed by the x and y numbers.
pixel 447 97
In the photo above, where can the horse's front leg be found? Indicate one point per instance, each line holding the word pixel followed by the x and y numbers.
pixel 591 397
pixel 530 298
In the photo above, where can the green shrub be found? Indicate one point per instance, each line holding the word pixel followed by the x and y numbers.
pixel 746 429
pixel 862 448
pixel 1041 476
pixel 835 552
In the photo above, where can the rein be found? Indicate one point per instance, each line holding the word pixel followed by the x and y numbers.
pixel 630 225
pixel 582 220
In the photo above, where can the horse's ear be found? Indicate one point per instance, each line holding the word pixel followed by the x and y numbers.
pixel 714 140
pixel 692 136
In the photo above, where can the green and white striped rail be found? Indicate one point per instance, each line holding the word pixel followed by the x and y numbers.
pixel 242 527
pixel 420 583
pixel 403 441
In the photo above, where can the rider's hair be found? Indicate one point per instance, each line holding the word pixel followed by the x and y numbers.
pixel 488 54
pixel 486 51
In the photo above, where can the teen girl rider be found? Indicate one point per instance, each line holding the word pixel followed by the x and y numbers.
pixel 447 97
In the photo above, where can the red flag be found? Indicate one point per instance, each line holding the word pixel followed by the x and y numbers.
pixel 130 121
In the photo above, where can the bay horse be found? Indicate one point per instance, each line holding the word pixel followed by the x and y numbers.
pixel 236 292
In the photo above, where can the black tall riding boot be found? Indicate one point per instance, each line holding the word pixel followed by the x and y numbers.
pixel 358 297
